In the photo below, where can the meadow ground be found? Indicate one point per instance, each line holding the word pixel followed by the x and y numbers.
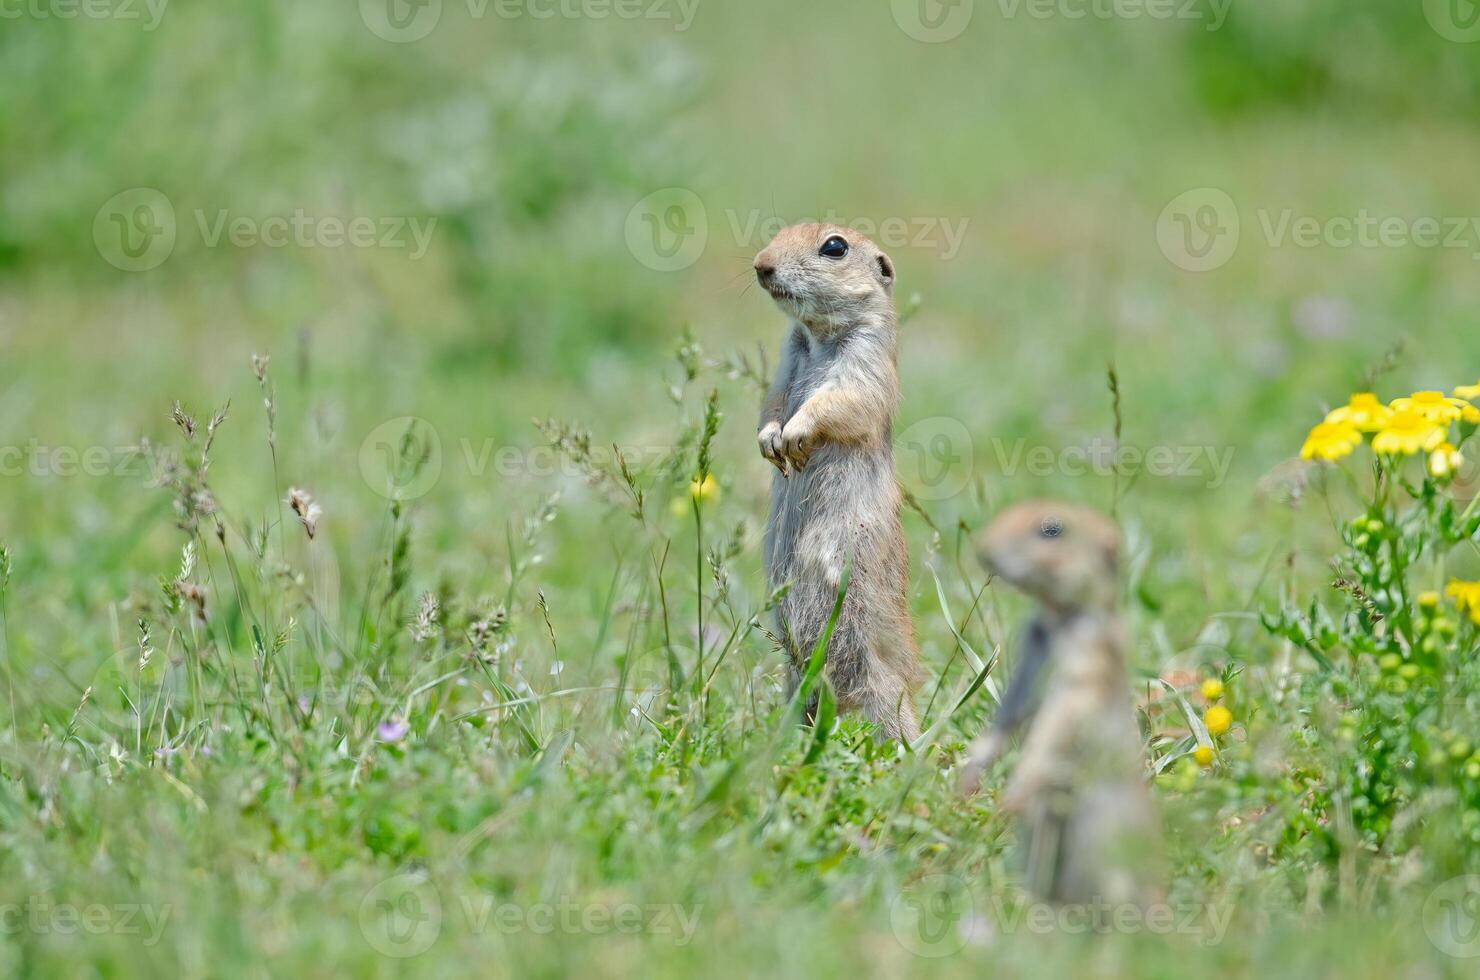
pixel 507 708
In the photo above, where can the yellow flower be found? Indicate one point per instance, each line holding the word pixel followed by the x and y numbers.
pixel 1212 689
pixel 1364 412
pixel 1218 719
pixel 1470 414
pixel 708 490
pixel 1204 755
pixel 1466 597
pixel 1432 405
pixel 704 492
pixel 1468 391
pixel 1408 432
pixel 1428 600
pixel 1331 441
pixel 1444 461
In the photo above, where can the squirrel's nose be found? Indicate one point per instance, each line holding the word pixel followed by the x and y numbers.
pixel 765 266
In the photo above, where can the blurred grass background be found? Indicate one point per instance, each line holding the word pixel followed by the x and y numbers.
pixel 1054 142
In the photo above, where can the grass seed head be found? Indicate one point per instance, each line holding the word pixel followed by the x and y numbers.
pixel 185 422
pixel 427 624
pixel 146 646
pixel 307 509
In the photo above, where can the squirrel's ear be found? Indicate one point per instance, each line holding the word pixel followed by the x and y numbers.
pixel 886 271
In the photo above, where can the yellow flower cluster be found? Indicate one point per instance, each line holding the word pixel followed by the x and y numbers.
pixel 1217 719
pixel 1466 596
pixel 1419 423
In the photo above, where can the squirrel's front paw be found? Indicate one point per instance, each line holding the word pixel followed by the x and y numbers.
pixel 770 441
pixel 798 439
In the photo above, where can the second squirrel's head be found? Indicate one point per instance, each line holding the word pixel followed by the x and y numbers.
pixel 826 276
pixel 1060 554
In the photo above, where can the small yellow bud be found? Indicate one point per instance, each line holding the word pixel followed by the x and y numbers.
pixel 1212 689
pixel 707 490
pixel 1218 719
pixel 1444 461
pixel 1428 600
pixel 1204 755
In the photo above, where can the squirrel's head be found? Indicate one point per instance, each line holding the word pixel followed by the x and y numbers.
pixel 1060 554
pixel 826 276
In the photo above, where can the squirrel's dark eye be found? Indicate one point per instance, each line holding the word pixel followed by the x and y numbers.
pixel 834 248
pixel 1051 528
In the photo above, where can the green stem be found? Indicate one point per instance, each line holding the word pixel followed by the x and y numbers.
pixel 699 590
pixel 9 665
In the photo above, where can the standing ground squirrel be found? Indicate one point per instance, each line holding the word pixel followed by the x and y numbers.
pixel 826 425
pixel 1079 785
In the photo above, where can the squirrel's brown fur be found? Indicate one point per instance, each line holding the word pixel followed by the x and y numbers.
pixel 826 426
pixel 1080 785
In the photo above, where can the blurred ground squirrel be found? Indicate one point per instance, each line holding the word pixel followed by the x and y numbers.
pixel 1079 786
pixel 827 426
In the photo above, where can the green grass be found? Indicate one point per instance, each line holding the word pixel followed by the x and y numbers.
pixel 588 783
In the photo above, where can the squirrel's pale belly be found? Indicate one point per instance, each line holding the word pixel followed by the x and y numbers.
pixel 843 500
